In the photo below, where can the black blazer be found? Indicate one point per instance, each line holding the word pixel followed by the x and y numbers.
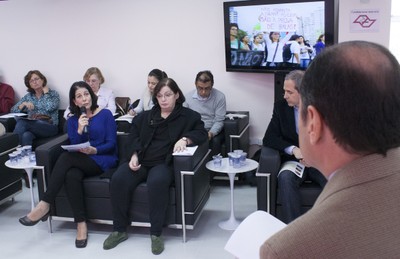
pixel 281 132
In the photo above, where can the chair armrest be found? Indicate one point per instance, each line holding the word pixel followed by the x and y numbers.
pixel 197 184
pixel 270 160
pixel 269 165
pixel 47 155
pixel 9 124
pixel 8 142
pixel 237 132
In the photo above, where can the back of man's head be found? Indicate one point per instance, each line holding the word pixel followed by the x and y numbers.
pixel 355 87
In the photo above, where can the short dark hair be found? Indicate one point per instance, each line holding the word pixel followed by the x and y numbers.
pixel 294 37
pixel 157 73
pixel 355 87
pixel 296 76
pixel 205 77
pixel 28 77
pixel 174 88
pixel 74 108
pixel 271 33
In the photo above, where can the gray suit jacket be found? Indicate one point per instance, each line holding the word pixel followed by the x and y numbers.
pixel 357 215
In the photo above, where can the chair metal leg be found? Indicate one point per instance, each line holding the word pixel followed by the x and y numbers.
pixel 183 173
pixel 268 175
pixel 50 228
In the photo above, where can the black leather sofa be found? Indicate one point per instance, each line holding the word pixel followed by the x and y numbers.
pixel 190 191
pixel 10 179
pixel 267 185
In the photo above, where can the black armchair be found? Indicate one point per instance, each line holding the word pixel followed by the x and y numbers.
pixel 10 179
pixel 267 185
pixel 237 132
pixel 188 196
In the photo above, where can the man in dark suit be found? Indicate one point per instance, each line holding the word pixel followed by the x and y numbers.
pixel 282 135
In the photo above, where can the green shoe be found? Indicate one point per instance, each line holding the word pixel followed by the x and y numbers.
pixel 157 245
pixel 114 239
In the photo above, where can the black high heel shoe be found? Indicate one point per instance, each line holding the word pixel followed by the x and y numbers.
pixel 27 222
pixel 81 243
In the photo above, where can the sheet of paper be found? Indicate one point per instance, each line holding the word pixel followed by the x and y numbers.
pixel 231 116
pixel 188 152
pixel 12 115
pixel 125 117
pixel 247 239
pixel 293 166
pixel 76 147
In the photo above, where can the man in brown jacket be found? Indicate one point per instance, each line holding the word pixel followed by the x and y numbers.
pixel 349 129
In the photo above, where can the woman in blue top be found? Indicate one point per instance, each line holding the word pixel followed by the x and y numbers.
pixel 41 103
pixel 72 167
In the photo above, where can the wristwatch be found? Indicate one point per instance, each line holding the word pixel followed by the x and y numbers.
pixel 185 139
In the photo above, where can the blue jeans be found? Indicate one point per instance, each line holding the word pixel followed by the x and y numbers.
pixel 28 130
pixel 289 191
pixel 304 63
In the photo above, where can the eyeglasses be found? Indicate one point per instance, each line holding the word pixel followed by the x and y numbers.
pixel 34 80
pixel 166 95
pixel 203 89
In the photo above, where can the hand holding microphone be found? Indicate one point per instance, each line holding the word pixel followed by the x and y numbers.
pixel 85 127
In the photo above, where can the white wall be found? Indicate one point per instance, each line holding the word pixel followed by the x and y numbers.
pixel 126 39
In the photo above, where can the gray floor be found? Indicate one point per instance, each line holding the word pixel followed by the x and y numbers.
pixel 207 240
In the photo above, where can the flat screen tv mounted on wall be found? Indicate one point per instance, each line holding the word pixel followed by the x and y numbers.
pixel 267 35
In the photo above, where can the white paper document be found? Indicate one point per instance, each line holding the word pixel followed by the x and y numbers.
pixel 293 166
pixel 12 115
pixel 125 117
pixel 188 152
pixel 231 116
pixel 247 239
pixel 76 147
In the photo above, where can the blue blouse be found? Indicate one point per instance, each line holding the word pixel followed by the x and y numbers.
pixel 102 134
pixel 47 104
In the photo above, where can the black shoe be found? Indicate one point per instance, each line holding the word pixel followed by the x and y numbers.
pixel 81 243
pixel 27 222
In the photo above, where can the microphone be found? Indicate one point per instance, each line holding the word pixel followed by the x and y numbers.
pixel 83 111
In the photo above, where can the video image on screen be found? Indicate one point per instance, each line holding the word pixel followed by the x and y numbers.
pixel 275 36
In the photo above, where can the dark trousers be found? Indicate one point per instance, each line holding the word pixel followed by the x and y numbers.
pixel 124 181
pixel 216 143
pixel 289 191
pixel 69 170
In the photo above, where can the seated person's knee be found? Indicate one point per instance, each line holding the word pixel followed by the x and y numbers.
pixel 286 176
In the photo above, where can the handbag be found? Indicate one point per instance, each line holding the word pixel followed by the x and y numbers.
pixel 122 104
pixel 42 117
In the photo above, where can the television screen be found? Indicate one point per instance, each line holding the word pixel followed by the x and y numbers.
pixel 276 35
